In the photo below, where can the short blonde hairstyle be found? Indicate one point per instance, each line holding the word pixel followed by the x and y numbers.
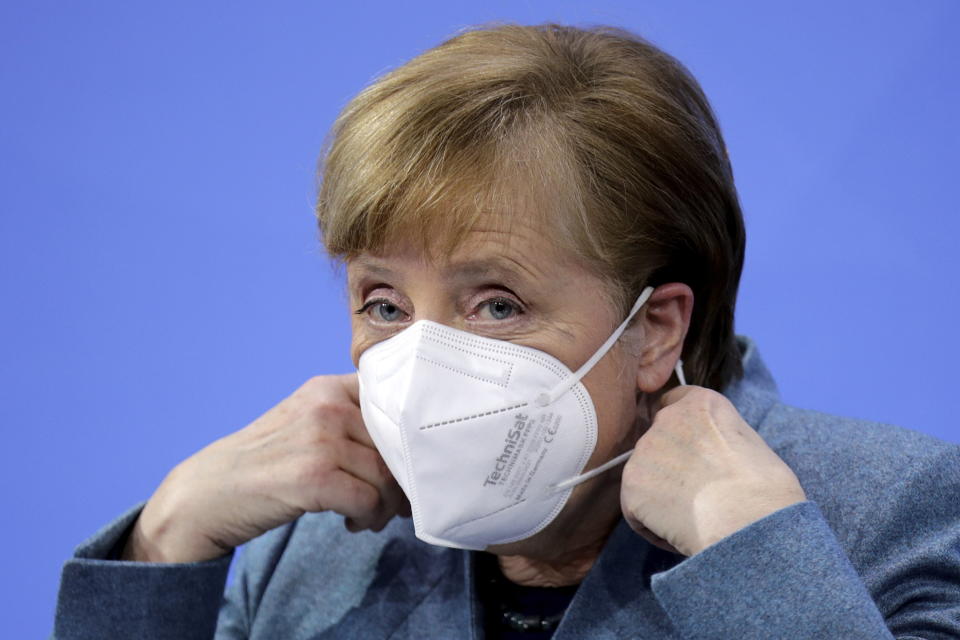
pixel 612 134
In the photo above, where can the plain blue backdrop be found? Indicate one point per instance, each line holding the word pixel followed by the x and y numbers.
pixel 162 283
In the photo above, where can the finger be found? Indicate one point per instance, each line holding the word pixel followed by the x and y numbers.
pixel 377 523
pixel 355 526
pixel 393 506
pixel 349 421
pixel 350 384
pixel 404 512
pixel 352 422
pixel 360 503
pixel 366 464
pixel 340 415
pixel 345 494
pixel 356 430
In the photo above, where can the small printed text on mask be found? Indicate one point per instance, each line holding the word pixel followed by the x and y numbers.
pixel 524 447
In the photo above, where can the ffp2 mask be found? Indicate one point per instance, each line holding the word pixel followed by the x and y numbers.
pixel 487 438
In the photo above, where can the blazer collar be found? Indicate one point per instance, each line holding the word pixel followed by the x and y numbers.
pixel 756 392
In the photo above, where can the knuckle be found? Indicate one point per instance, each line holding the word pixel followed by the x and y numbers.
pixel 326 455
pixel 314 437
pixel 316 469
pixel 723 405
pixel 315 383
pixel 666 418
pixel 700 396
pixel 310 476
pixel 712 400
pixel 666 413
pixel 328 411
pixel 311 388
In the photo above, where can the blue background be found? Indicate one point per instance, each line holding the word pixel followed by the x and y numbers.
pixel 162 284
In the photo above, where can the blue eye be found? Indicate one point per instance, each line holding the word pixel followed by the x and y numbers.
pixel 383 310
pixel 388 312
pixel 501 309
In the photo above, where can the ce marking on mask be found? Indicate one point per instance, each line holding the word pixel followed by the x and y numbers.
pixel 524 447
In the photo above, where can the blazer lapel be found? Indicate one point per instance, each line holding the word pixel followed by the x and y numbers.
pixel 447 609
pixel 417 591
pixel 615 599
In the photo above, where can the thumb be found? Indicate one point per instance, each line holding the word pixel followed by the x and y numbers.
pixel 350 383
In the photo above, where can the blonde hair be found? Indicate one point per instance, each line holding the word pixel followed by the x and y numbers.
pixel 612 134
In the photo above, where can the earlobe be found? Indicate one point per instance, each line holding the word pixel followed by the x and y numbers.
pixel 665 321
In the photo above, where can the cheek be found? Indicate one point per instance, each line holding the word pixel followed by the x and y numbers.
pixel 360 341
pixel 613 392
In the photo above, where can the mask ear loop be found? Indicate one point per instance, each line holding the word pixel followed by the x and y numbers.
pixel 609 464
pixel 548 397
pixel 679 371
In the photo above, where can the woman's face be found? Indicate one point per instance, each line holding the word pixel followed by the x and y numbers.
pixel 517 286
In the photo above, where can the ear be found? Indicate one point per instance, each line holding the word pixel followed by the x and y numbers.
pixel 664 321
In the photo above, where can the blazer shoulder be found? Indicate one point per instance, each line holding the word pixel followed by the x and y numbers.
pixel 820 439
pixel 857 470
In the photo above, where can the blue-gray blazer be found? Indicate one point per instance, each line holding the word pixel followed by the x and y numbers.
pixel 874 553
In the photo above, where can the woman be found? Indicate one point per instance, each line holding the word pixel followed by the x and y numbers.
pixel 543 245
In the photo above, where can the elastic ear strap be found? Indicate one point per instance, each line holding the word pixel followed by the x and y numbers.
pixel 623 457
pixel 583 477
pixel 564 385
pixel 679 371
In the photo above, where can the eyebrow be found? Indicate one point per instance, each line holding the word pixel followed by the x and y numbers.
pixel 368 265
pixel 492 267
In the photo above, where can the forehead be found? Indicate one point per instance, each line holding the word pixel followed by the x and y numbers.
pixel 514 249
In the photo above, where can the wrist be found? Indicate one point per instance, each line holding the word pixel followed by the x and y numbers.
pixel 166 532
pixel 747 513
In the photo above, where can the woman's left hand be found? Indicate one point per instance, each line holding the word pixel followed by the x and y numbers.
pixel 701 473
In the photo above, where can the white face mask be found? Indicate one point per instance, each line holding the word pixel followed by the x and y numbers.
pixel 487 438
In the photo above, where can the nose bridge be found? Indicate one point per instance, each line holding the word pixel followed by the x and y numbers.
pixel 435 309
pixel 435 301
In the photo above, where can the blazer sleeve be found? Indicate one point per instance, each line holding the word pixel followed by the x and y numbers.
pixel 787 575
pixel 104 598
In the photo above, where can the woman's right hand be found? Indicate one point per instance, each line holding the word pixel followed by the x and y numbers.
pixel 309 453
